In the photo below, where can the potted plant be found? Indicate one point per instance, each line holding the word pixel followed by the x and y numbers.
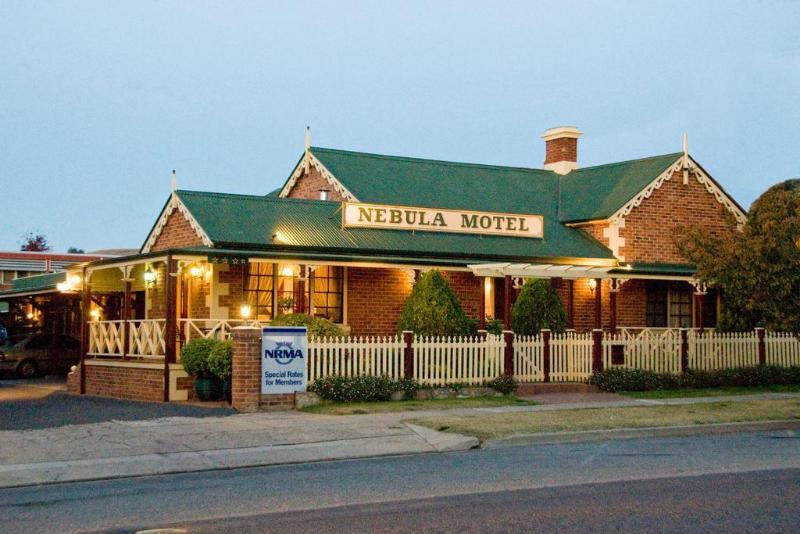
pixel 220 364
pixel 194 357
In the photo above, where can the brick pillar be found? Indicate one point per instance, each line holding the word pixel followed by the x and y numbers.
pixel 598 303
pixel 762 346
pixel 698 311
pixel 508 355
pixel 597 349
pixel 507 302
pixel 614 284
pixel 570 303
pixel 86 302
pixel 408 354
pixel 546 354
pixel 171 320
pixel 246 378
pixel 684 350
pixel 482 304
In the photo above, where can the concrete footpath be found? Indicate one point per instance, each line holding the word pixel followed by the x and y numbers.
pixel 180 444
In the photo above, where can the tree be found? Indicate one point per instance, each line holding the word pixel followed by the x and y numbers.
pixel 34 242
pixel 433 309
pixel 758 268
pixel 75 250
pixel 538 306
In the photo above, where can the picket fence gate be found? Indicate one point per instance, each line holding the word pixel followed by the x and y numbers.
pixel 652 350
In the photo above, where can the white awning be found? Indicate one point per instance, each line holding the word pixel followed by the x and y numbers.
pixel 541 270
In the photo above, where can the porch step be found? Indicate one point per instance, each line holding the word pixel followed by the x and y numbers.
pixel 543 388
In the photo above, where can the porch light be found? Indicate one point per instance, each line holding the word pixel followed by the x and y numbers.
pixel 29 315
pixel 74 280
pixel 592 284
pixel 95 314
pixel 287 271
pixel 196 271
pixel 63 287
pixel 245 311
pixel 149 275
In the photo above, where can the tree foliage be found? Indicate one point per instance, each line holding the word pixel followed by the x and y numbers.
pixel 34 242
pixel 538 306
pixel 433 309
pixel 75 250
pixel 758 268
pixel 317 326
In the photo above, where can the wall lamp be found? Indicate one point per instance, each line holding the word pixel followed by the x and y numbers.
pixel 592 284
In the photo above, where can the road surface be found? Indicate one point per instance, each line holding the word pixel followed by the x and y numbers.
pixel 733 482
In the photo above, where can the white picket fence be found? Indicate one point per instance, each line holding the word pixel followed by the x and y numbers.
pixel 467 360
pixel 657 350
pixel 782 348
pixel 355 356
pixel 529 358
pixel 571 357
pixel 720 350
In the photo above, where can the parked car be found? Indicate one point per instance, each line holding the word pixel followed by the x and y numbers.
pixel 41 354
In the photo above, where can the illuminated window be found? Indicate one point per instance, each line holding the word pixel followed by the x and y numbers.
pixel 258 289
pixel 326 293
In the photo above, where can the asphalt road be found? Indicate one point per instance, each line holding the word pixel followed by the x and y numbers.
pixel 734 482
pixel 42 403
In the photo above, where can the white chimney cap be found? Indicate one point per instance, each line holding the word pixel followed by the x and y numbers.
pixel 562 131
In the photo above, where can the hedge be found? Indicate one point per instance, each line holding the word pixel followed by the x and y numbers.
pixel 620 379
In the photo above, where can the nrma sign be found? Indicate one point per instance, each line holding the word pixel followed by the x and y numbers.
pixel 283 353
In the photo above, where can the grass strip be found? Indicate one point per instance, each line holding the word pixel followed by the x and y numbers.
pixel 710 392
pixel 355 408
pixel 508 424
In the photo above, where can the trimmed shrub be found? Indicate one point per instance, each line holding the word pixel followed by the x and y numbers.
pixel 538 306
pixel 504 384
pixel 409 387
pixel 220 360
pixel 433 309
pixel 620 379
pixel 355 389
pixel 194 356
pixel 317 326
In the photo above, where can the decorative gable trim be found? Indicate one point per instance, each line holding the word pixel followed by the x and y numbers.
pixel 305 164
pixel 173 204
pixel 688 165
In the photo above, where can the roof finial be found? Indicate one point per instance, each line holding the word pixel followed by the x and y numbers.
pixel 308 137
pixel 174 181
pixel 685 164
pixel 685 145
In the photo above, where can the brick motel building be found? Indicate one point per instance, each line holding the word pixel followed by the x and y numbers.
pixel 347 234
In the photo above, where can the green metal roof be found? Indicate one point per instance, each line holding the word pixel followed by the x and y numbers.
pixel 672 269
pixel 34 284
pixel 246 221
pixel 584 194
pixel 598 192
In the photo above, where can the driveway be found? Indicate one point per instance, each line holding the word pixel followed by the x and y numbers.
pixel 44 403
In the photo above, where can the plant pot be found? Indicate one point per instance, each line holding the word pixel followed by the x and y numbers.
pixel 207 389
pixel 226 390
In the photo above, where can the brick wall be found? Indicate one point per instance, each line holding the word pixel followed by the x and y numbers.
pixel 199 290
pixel 375 297
pixel 308 186
pixel 125 382
pixel 246 379
pixel 177 233
pixel 631 304
pixel 651 228
pixel 233 275
pixel 468 289
pixel 157 293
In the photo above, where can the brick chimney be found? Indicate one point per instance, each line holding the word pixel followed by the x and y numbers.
pixel 561 149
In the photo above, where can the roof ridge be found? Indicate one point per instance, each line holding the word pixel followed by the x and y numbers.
pixel 259 197
pixel 435 161
pixel 627 161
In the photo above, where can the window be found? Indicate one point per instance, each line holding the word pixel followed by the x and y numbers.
pixel 258 289
pixel 680 305
pixel 656 305
pixel 286 281
pixel 326 293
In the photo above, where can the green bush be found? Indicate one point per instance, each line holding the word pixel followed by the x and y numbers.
pixel 433 309
pixel 620 379
pixel 409 387
pixel 504 384
pixel 220 360
pixel 538 306
pixel 317 326
pixel 357 389
pixel 194 356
